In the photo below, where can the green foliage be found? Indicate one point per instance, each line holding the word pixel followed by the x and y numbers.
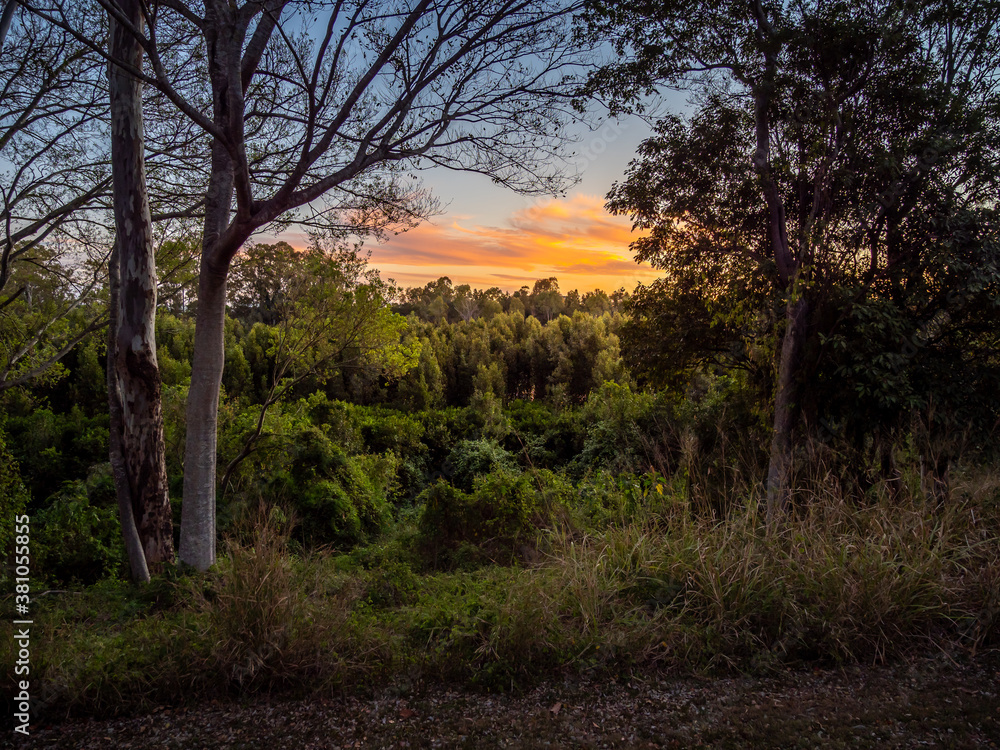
pixel 13 498
pixel 497 521
pixel 174 348
pixel 338 499
pixel 76 538
pixel 52 448
pixel 470 459
pixel 660 594
pixel 43 309
pixel 928 348
pixel 513 357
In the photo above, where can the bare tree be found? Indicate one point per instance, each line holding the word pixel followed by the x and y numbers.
pixel 55 171
pixel 56 224
pixel 316 109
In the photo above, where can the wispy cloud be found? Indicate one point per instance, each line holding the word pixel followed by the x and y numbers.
pixel 574 239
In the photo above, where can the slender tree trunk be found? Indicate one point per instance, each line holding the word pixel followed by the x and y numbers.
pixel 136 370
pixel 786 406
pixel 789 266
pixel 198 507
pixel 133 545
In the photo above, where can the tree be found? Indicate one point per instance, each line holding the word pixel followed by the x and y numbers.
pixel 545 300
pixel 56 228
pixel 134 389
pixel 466 304
pixel 332 316
pixel 56 122
pixel 55 172
pixel 826 136
pixel 257 282
pixel 325 122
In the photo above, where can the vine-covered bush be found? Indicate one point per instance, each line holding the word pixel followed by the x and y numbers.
pixel 338 499
pixel 500 517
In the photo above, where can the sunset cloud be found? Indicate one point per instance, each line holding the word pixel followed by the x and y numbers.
pixel 574 239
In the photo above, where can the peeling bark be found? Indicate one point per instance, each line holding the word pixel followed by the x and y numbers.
pixel 137 373
pixel 138 569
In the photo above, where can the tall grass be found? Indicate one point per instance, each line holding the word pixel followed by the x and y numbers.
pixel 837 583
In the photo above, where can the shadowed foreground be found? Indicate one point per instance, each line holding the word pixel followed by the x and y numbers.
pixel 934 702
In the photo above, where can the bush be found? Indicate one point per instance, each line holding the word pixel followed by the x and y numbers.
pixel 500 517
pixel 470 459
pixel 546 436
pixel 52 448
pixel 77 538
pixel 339 499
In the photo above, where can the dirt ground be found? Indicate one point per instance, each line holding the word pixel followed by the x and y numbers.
pixel 939 702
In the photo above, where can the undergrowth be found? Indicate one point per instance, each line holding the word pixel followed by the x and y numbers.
pixel 660 590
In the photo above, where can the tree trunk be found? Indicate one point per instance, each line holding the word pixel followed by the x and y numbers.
pixel 786 406
pixel 136 369
pixel 198 507
pixel 133 544
pixel 5 18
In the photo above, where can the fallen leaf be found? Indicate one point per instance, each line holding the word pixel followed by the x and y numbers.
pixel 556 709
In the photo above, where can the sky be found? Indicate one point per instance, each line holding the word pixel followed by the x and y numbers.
pixel 489 236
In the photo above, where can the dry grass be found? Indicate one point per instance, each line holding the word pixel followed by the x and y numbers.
pixel 837 583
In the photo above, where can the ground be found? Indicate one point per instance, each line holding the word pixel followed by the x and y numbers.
pixel 946 701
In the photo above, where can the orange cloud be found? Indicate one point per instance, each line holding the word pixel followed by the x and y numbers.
pixel 574 239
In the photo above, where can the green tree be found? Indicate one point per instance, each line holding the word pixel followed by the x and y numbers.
pixel 545 301
pixel 257 280
pixel 829 141
pixel 332 316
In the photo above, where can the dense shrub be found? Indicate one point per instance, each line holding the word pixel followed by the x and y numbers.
pixel 836 585
pixel 500 517
pixel 77 537
pixel 52 448
pixel 339 499
pixel 470 459
pixel 547 437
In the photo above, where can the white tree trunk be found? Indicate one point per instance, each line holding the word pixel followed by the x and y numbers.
pixel 198 507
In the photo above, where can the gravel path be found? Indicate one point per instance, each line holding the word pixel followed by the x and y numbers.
pixel 934 702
